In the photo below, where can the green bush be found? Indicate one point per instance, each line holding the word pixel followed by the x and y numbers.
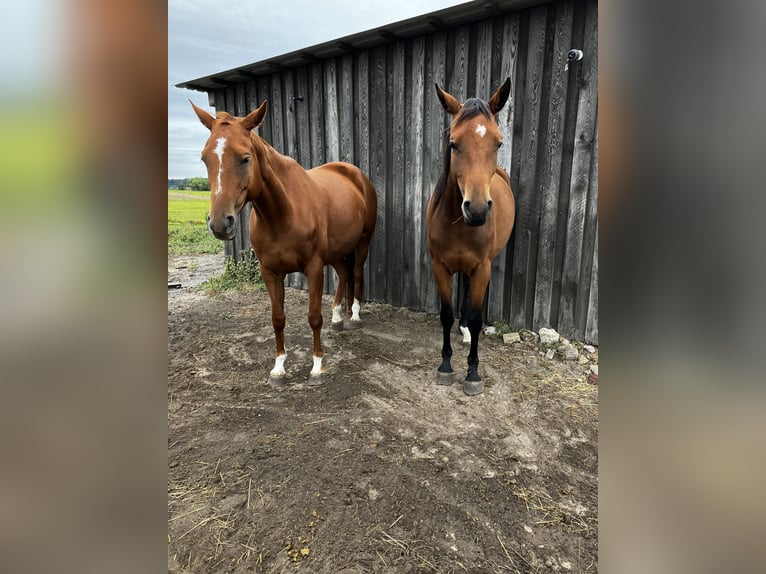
pixel 237 275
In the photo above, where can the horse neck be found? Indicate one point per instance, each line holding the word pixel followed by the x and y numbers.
pixel 268 192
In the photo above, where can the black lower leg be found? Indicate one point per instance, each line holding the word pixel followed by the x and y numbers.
pixel 448 319
pixel 465 303
pixel 474 326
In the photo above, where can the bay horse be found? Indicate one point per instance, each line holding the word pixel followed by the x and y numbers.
pixel 300 221
pixel 470 218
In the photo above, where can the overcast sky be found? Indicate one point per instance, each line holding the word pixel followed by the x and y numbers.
pixel 209 36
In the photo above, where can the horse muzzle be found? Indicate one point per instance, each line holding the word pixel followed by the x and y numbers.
pixel 476 215
pixel 222 228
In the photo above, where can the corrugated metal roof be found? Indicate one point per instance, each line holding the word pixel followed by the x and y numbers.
pixel 441 19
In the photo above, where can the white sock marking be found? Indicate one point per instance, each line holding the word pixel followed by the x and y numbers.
pixel 317 370
pixel 481 129
pixel 220 145
pixel 355 311
pixel 336 314
pixel 279 366
pixel 466 334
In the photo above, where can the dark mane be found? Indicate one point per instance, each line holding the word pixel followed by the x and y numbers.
pixel 471 108
pixel 441 184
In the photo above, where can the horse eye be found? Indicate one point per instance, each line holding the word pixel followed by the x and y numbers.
pixel 499 145
pixel 245 160
pixel 453 146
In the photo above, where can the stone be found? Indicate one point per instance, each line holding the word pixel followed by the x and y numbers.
pixel 510 338
pixel 548 336
pixel 568 351
pixel 594 369
pixel 490 330
pixel 589 348
pixel 550 354
pixel 527 336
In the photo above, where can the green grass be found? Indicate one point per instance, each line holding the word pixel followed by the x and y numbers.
pixel 240 276
pixel 187 230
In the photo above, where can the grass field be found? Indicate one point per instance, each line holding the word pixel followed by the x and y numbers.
pixel 187 230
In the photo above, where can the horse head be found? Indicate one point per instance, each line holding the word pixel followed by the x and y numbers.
pixel 231 164
pixel 474 139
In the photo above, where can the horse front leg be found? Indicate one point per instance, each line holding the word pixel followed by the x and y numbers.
pixel 275 284
pixel 473 385
pixel 444 374
pixel 315 276
pixel 464 308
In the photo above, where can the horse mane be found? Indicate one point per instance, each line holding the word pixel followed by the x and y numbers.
pixel 471 108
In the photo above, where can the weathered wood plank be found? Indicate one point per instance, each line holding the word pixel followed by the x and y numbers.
pixel 581 172
pixel 590 238
pixel 526 190
pixel 301 108
pixel 416 252
pixel 331 142
pixel 498 300
pixel 346 108
pixel 591 325
pixel 397 85
pixel 550 184
pixel 362 133
pixel 436 122
pixel 316 114
pixel 378 151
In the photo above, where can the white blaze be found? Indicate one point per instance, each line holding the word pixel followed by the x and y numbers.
pixel 220 145
pixel 481 129
pixel 336 315
pixel 279 366
pixel 355 311
pixel 317 370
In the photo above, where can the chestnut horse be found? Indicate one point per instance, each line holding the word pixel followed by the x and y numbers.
pixel 300 221
pixel 470 219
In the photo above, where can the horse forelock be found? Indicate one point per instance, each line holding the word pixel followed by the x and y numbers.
pixel 473 107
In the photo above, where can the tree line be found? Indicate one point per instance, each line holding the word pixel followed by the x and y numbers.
pixel 190 183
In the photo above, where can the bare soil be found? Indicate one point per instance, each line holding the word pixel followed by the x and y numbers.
pixel 378 470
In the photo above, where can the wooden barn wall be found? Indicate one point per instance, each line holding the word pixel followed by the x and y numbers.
pixel 377 108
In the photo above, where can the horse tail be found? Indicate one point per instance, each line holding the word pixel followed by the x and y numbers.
pixel 350 261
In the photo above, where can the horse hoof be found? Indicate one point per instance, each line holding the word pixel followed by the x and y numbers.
pixel 445 378
pixel 319 379
pixel 354 324
pixel 337 326
pixel 471 388
pixel 277 382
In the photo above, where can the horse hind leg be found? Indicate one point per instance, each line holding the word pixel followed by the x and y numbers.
pixel 355 292
pixel 464 309
pixel 337 304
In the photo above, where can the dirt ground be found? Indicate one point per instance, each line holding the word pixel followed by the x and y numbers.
pixel 378 470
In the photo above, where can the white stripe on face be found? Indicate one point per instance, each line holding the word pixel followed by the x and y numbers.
pixel 481 129
pixel 220 145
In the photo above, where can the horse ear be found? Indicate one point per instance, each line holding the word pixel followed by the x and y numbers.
pixel 206 119
pixel 449 102
pixel 255 118
pixel 498 99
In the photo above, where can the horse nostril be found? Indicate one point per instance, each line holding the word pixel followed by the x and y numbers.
pixel 229 221
pixel 208 217
pixel 466 204
pixel 489 204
